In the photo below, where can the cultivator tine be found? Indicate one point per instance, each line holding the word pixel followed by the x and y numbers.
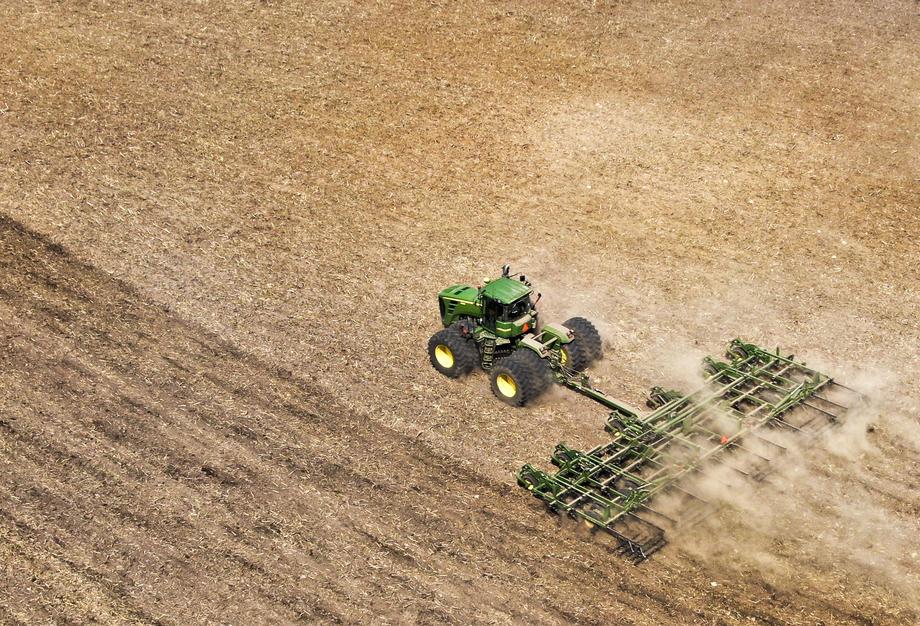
pixel 829 401
pixel 612 487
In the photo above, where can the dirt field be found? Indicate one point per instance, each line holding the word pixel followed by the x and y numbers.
pixel 223 227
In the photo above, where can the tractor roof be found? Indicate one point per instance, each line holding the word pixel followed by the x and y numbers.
pixel 506 290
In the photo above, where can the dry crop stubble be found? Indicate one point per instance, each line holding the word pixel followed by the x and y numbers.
pixel 265 175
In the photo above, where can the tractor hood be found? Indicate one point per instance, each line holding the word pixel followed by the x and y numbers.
pixel 462 293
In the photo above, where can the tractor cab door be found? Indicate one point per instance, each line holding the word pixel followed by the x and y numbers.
pixel 491 312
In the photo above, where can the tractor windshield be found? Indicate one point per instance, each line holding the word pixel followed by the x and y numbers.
pixel 517 309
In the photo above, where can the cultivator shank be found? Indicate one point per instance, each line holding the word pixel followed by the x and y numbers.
pixel 614 486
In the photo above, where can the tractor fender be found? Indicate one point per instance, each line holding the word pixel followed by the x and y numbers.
pixel 558 332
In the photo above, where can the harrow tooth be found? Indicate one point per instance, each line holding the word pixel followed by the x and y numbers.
pixel 614 485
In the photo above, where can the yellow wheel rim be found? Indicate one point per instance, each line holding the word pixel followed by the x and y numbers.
pixel 444 356
pixel 563 356
pixel 506 385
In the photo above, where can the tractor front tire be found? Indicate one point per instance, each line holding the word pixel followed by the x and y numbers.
pixel 520 378
pixel 451 353
pixel 588 339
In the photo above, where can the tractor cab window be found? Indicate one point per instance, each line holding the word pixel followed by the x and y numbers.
pixel 517 310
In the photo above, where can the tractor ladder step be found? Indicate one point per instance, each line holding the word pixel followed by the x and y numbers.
pixel 488 354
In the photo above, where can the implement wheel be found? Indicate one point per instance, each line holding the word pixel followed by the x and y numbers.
pixel 451 353
pixel 520 378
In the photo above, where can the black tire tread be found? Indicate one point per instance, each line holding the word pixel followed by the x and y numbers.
pixel 466 356
pixel 543 375
pixel 531 373
pixel 587 336
pixel 579 358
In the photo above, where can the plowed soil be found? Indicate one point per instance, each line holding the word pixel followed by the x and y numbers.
pixel 223 226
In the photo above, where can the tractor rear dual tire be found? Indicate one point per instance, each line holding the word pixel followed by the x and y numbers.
pixel 520 378
pixel 451 353
pixel 585 348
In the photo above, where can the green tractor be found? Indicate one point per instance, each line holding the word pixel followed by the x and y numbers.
pixel 497 328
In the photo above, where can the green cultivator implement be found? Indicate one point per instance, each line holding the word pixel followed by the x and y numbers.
pixel 727 422
pixel 616 487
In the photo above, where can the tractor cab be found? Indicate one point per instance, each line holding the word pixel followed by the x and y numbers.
pixel 507 309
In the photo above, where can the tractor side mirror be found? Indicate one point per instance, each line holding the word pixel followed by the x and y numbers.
pixel 539 295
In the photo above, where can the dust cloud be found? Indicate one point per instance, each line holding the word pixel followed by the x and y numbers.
pixel 832 506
